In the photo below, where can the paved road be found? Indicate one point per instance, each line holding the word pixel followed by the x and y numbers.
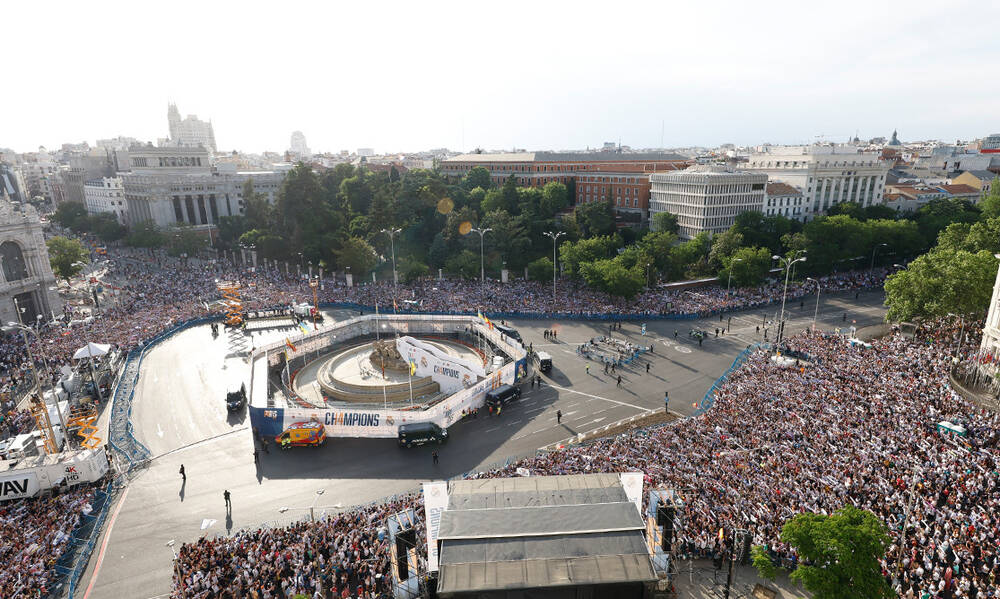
pixel 179 415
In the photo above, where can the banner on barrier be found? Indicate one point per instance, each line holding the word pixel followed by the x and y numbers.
pixel 450 372
pixel 435 503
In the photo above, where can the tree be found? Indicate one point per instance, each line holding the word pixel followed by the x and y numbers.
pixel 555 199
pixel 357 254
pixel 839 554
pixel 658 246
pixel 477 176
pixel 67 256
pixel 934 216
pixel 70 215
pixel 465 263
pixel 106 226
pixel 664 221
pixel 573 255
pixel 508 237
pixel 541 269
pixel 880 211
pixel 595 218
pixel 940 282
pixel 186 241
pixel 749 267
pixel 411 270
pixel 724 245
pixel 990 202
pixel 299 202
pixel 614 277
pixel 256 208
pixel 833 242
pixel 762 561
pixel 690 259
pixel 852 209
pixel 145 235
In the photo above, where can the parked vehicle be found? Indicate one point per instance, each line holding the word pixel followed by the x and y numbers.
pixel 236 400
pixel 419 433
pixel 509 331
pixel 308 433
pixel 502 395
pixel 544 360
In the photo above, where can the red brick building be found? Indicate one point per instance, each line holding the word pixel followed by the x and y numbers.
pixel 593 176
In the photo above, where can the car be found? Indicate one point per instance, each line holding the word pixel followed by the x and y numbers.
pixel 696 334
pixel 419 433
pixel 236 400
pixel 502 395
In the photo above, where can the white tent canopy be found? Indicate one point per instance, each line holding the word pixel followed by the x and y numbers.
pixel 92 350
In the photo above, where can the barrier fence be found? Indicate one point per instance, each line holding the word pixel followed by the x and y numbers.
pixel 73 562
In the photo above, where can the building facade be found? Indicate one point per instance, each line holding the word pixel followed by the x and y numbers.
pixel 298 146
pixel 706 198
pixel 827 175
pixel 784 200
pixel 106 194
pixel 26 280
pixel 991 330
pixel 179 185
pixel 189 132
pixel 621 178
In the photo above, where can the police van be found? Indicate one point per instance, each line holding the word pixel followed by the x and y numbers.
pixel 509 331
pixel 502 395
pixel 418 433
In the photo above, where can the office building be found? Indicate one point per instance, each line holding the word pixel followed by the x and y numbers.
pixel 621 178
pixel 106 194
pixel 27 285
pixel 189 132
pixel 179 185
pixel 827 175
pixel 298 145
pixel 706 197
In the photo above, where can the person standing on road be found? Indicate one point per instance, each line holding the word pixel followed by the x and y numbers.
pixel 619 380
pixel 587 367
pixel 229 504
pixel 666 402
pixel 647 367
pixel 256 456
pixel 558 416
pixel 183 476
pixel 434 457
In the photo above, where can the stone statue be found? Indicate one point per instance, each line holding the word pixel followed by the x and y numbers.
pixel 385 356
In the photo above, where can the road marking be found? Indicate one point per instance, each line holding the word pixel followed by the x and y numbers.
pixel 490 430
pixel 159 431
pixel 513 422
pixel 534 410
pixel 596 420
pixel 615 401
pixel 682 349
pixel 104 545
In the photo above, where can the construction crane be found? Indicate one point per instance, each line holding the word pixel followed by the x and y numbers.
pixel 41 414
pixel 84 419
pixel 230 291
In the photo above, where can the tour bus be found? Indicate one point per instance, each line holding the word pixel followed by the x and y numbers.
pixel 309 432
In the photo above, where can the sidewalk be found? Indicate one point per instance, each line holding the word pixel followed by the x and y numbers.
pixel 698 579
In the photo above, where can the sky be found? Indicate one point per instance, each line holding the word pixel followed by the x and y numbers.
pixel 537 75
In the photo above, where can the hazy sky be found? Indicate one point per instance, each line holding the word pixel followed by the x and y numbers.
pixel 537 75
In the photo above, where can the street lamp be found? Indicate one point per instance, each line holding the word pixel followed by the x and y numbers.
pixel 784 294
pixel 482 267
pixel 312 507
pixel 555 236
pixel 874 251
pixel 730 284
pixel 816 311
pixel 48 373
pixel 392 233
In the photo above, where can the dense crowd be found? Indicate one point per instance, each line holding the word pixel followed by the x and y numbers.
pixel 853 425
pixel 34 534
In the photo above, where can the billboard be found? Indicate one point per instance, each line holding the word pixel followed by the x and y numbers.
pixel 435 503
pixel 450 372
pixel 18 484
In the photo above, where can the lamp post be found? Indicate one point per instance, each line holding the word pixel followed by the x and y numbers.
pixel 313 284
pixel 312 507
pixel 555 236
pixel 871 269
pixel 816 311
pixel 482 267
pixel 784 294
pixel 392 244
pixel 730 283
pixel 38 381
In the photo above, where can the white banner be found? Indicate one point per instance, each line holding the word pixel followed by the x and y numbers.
pixel 632 482
pixel 435 503
pixel 450 372
pixel 18 484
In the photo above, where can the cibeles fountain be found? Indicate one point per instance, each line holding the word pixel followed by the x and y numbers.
pixel 398 370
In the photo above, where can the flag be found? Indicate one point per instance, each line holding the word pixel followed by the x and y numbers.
pixel 394 306
pixel 289 344
pixel 303 327
pixel 413 367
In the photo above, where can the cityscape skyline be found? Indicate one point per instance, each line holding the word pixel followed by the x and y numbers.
pixel 528 78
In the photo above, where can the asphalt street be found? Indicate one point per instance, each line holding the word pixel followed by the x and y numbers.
pixel 180 416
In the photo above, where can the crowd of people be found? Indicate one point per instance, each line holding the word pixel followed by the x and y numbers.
pixel 33 536
pixel 853 425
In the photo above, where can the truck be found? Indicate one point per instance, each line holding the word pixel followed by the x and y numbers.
pixel 32 475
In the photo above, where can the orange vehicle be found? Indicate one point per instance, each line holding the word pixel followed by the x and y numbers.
pixel 309 432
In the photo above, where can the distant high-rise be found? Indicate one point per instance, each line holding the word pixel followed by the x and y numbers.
pixel 298 145
pixel 190 132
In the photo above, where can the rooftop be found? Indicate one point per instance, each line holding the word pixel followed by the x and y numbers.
pixel 566 157
pixel 782 189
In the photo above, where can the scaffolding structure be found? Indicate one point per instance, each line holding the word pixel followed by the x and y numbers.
pixel 44 424
pixel 232 302
pixel 84 419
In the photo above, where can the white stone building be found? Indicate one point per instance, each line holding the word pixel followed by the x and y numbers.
pixel 189 132
pixel 706 198
pixel 827 175
pixel 26 279
pixel 106 194
pixel 784 200
pixel 179 185
pixel 991 330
